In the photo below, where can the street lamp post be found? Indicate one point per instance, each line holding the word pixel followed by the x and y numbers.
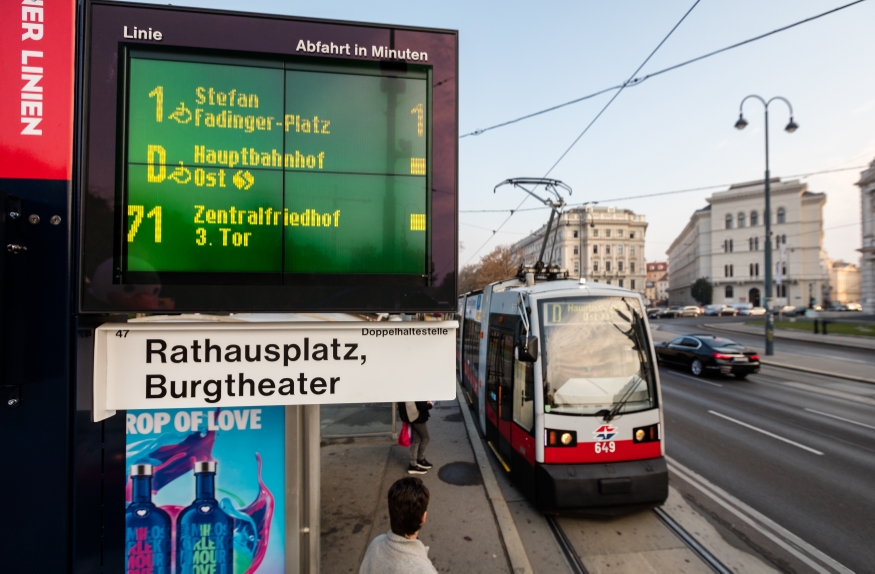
pixel 790 128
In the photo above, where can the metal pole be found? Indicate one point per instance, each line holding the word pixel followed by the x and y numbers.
pixel 584 246
pixel 547 234
pixel 770 319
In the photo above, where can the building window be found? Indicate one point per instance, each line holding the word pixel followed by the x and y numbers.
pixel 756 243
pixel 595 248
pixel 619 249
pixel 781 290
pixel 731 246
pixel 751 269
pixel 632 267
pixel 595 266
pixel 631 235
pixel 728 221
pixel 607 249
pixel 607 265
pixel 576 250
pixel 620 266
pixel 728 271
pixel 754 218
pixel 631 250
pixel 729 292
pixel 595 232
pixel 782 215
pixel 621 282
pixel 575 234
pixel 741 220
pixel 607 232
pixel 631 284
pixel 727 246
pixel 620 234
pixel 756 269
pixel 577 266
pixel 608 281
pixel 783 268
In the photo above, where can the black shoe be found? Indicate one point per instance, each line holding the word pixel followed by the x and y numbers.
pixel 416 469
pixel 422 463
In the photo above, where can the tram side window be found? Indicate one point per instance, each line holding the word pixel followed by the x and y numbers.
pixel 472 350
pixel 524 394
pixel 507 372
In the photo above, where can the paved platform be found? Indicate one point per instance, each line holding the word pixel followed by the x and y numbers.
pixel 461 530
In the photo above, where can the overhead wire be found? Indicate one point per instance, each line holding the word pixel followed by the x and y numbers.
pixel 614 97
pixel 620 91
pixel 638 81
pixel 661 193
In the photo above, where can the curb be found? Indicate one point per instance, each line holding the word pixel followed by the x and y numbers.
pixel 817 372
pixel 825 341
pixel 513 544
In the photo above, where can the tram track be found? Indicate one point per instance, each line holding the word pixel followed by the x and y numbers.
pixel 571 555
pixel 691 542
pixel 576 565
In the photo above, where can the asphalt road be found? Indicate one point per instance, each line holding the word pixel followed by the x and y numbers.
pixel 798 448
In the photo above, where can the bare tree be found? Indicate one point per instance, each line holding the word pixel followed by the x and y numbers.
pixel 501 263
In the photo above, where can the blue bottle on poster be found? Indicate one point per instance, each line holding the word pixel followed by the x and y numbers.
pixel 204 532
pixel 147 528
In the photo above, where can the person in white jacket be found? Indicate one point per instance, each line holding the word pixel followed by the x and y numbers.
pixel 399 551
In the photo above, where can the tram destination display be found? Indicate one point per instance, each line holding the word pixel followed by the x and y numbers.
pixel 250 162
pixel 271 168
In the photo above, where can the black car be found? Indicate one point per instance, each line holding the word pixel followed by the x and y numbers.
pixel 701 353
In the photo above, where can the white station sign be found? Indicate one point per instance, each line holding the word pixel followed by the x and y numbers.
pixel 185 365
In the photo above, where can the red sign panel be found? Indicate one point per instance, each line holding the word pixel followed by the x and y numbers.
pixel 36 89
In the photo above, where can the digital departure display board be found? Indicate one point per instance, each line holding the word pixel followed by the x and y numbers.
pixel 263 170
pixel 248 168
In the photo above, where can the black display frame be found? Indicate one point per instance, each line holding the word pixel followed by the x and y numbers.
pixel 103 290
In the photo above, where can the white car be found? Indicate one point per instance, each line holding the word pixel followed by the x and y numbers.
pixel 753 311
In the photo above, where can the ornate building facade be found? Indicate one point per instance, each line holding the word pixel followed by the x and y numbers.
pixel 724 242
pixel 603 244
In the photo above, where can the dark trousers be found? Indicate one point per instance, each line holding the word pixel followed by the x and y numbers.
pixel 418 441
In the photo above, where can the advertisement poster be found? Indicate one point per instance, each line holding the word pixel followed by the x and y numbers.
pixel 205 491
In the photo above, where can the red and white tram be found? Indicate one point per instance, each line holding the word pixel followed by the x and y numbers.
pixel 562 379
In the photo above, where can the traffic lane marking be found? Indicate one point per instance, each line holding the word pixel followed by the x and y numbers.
pixel 693 378
pixel 829 392
pixel 841 419
pixel 767 433
pixel 780 535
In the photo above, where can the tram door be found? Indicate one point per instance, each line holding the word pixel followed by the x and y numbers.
pixel 523 427
pixel 499 394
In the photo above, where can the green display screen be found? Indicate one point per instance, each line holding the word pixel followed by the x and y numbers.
pixel 275 167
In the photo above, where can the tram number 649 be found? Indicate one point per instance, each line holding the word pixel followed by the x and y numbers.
pixel 601 447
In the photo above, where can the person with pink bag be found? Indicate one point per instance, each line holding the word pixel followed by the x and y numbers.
pixel 415 414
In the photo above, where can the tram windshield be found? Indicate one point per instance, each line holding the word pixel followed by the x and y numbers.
pixel 596 356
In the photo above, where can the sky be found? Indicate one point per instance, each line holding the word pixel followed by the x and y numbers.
pixel 671 132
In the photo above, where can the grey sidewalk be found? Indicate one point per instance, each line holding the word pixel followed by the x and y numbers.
pixel 461 529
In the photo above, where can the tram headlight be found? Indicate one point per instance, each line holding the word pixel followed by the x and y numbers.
pixel 646 434
pixel 560 438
